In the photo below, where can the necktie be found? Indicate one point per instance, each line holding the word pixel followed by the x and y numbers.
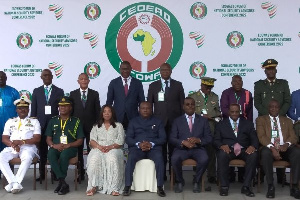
pixel 126 87
pixel 83 99
pixel 191 123
pixel 47 93
pixel 277 138
pixel 167 87
pixel 235 128
pixel 237 149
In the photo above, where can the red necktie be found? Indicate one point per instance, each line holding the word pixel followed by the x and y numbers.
pixel 237 149
pixel 126 87
pixel 191 123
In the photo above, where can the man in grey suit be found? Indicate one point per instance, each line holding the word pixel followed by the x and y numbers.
pixel 44 106
pixel 125 93
pixel 167 96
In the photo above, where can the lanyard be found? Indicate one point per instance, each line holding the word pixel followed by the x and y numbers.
pixel 47 94
pixel 62 127
pixel 237 98
pixel 205 99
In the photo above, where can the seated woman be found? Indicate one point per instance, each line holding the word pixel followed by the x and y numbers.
pixel 105 162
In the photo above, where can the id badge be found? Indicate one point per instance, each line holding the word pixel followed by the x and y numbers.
pixel 63 139
pixel 1 102
pixel 204 111
pixel 240 109
pixel 47 110
pixel 161 96
pixel 274 134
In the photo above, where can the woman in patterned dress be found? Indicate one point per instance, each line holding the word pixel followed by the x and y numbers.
pixel 105 162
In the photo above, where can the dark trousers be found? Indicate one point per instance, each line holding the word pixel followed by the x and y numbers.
pixel 43 150
pixel 223 166
pixel 199 155
pixel 292 155
pixel 167 148
pixel 136 154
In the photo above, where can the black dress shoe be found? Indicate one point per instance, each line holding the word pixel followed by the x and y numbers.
pixel 126 191
pixel 178 187
pixel 295 192
pixel 196 187
pixel 58 187
pixel 246 190
pixel 64 189
pixel 271 192
pixel 224 191
pixel 160 191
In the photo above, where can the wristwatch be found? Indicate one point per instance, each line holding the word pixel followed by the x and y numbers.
pixel 24 142
pixel 51 146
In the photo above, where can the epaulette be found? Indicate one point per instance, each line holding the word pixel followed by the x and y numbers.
pixel 192 92
pixel 55 116
pixel 33 117
pixel 13 118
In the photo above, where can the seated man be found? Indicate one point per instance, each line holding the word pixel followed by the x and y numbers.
pixel 21 134
pixel 190 133
pixel 145 137
pixel 64 135
pixel 235 138
pixel 276 135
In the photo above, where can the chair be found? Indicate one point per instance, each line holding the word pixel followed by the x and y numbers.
pixel 73 161
pixel 144 176
pixel 276 164
pixel 17 161
pixel 188 162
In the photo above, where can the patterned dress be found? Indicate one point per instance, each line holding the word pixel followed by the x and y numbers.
pixel 106 170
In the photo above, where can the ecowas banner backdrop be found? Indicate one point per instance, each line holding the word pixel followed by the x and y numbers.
pixel 218 38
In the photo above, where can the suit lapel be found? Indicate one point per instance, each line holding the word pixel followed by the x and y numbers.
pixel 185 124
pixel 131 87
pixel 283 127
pixel 229 127
pixel 268 127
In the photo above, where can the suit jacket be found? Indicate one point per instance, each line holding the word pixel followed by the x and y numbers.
pixel 151 130
pixel 294 110
pixel 39 102
pixel 171 107
pixel 180 131
pixel 263 128
pixel 246 135
pixel 246 102
pixel 122 103
pixel 88 115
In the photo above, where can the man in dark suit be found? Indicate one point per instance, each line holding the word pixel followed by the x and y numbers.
pixel 145 136
pixel 125 93
pixel 86 106
pixel 190 133
pixel 167 96
pixel 277 136
pixel 44 106
pixel 235 138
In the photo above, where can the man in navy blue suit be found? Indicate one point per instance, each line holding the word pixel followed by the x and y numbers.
pixel 145 137
pixel 44 106
pixel 190 133
pixel 125 93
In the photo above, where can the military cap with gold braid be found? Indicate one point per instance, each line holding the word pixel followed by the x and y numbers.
pixel 270 63
pixel 22 102
pixel 208 81
pixel 65 101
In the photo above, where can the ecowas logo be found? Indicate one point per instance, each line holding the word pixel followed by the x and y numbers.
pixel 58 68
pixel 58 11
pixel 235 39
pixel 198 70
pixel 146 35
pixel 24 41
pixel 271 8
pixel 25 93
pixel 92 12
pixel 92 69
pixel 198 10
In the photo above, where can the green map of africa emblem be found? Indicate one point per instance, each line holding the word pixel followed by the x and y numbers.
pixel 146 40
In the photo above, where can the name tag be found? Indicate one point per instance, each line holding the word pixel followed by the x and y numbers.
pixel 274 134
pixel 240 109
pixel 1 102
pixel 63 139
pixel 47 110
pixel 204 111
pixel 161 96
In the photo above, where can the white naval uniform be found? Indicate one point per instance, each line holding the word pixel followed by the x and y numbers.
pixel 17 131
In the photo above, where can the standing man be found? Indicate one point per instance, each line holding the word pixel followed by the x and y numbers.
pixel 44 106
pixel 237 94
pixel 125 93
pixel 145 137
pixel 167 96
pixel 21 135
pixel 276 135
pixel 294 112
pixel 268 89
pixel 235 138
pixel 190 133
pixel 7 109
pixel 207 105
pixel 64 136
pixel 86 106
